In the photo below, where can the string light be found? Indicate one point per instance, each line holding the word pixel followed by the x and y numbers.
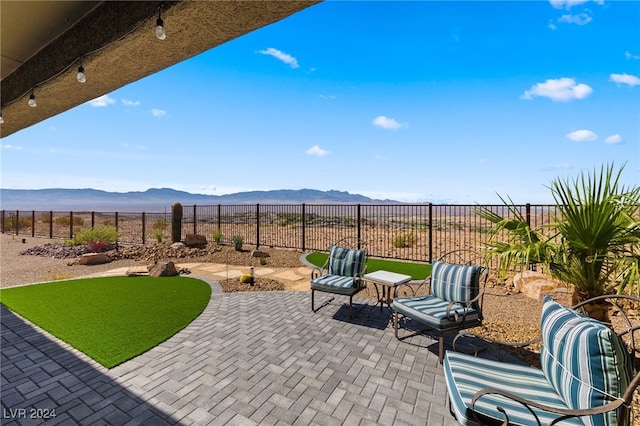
pixel 32 100
pixel 161 34
pixel 81 77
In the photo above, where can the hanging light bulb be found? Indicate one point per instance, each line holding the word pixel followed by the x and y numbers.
pixel 81 77
pixel 161 34
pixel 1 118
pixel 32 100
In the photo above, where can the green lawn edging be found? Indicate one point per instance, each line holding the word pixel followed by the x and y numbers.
pixel 111 319
pixel 417 271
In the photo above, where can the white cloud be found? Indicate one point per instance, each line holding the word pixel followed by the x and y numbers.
pixel 317 151
pixel 128 102
pixel 158 112
pixel 630 55
pixel 631 80
pixel 579 19
pixel 568 4
pixel 561 89
pixel 284 57
pixel 102 101
pixel 14 147
pixel 388 123
pixel 552 25
pixel 582 136
pixel 328 96
pixel 613 139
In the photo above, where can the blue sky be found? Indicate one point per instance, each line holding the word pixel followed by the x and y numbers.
pixel 413 101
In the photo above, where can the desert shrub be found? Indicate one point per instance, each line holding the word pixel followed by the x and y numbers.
pixel 238 240
pixel 65 221
pixel 159 225
pixel 104 234
pixel 217 237
pixel 404 240
pixel 246 279
pixel 22 223
pixel 45 218
pixel 158 235
pixel 107 222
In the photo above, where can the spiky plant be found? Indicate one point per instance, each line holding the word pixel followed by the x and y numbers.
pixel 593 241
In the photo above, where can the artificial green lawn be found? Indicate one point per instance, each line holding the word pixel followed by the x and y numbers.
pixel 111 319
pixel 418 271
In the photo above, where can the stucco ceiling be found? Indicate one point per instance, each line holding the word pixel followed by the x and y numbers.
pixel 42 44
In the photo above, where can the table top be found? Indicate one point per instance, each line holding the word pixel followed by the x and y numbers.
pixel 387 278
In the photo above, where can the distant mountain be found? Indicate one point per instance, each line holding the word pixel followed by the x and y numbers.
pixel 161 199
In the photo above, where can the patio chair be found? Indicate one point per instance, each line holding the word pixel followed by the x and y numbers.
pixel 453 300
pixel 589 372
pixel 341 274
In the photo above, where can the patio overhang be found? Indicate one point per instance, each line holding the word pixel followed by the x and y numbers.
pixel 44 42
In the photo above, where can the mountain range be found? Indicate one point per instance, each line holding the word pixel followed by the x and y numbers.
pixel 161 199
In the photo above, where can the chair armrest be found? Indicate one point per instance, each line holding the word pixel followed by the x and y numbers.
pixel 562 413
pixel 414 287
pixel 318 272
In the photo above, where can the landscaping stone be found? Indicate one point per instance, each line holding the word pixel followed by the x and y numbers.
pixel 195 240
pixel 178 245
pixel 260 254
pixel 136 271
pixel 537 285
pixel 163 269
pixel 93 259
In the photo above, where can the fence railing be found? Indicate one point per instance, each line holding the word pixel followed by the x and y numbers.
pixel 419 232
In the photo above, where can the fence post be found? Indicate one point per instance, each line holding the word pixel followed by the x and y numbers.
pixel 144 228
pixel 219 219
pixel 430 232
pixel 195 231
pixel 116 220
pixel 257 226
pixel 50 223
pixel 2 222
pixel 33 223
pixel 528 214
pixel 17 222
pixel 70 224
pixel 359 230
pixel 93 220
pixel 304 220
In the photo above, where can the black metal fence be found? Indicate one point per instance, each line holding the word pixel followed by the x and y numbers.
pixel 418 232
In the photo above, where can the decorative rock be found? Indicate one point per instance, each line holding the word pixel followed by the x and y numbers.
pixel 163 269
pixel 136 271
pixel 195 240
pixel 178 245
pixel 93 259
pixel 260 254
pixel 537 285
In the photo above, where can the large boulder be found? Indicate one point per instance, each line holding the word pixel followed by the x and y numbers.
pixel 163 269
pixel 537 285
pixel 195 240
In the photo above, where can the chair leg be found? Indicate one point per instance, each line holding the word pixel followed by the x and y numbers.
pixel 313 308
pixel 441 347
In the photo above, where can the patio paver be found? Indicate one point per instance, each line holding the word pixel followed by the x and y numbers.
pixel 249 358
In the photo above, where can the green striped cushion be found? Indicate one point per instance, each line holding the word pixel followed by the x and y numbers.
pixel 583 359
pixel 465 375
pixel 432 311
pixel 455 283
pixel 338 284
pixel 343 261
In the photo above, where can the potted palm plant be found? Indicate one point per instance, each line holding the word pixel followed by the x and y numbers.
pixel 592 242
